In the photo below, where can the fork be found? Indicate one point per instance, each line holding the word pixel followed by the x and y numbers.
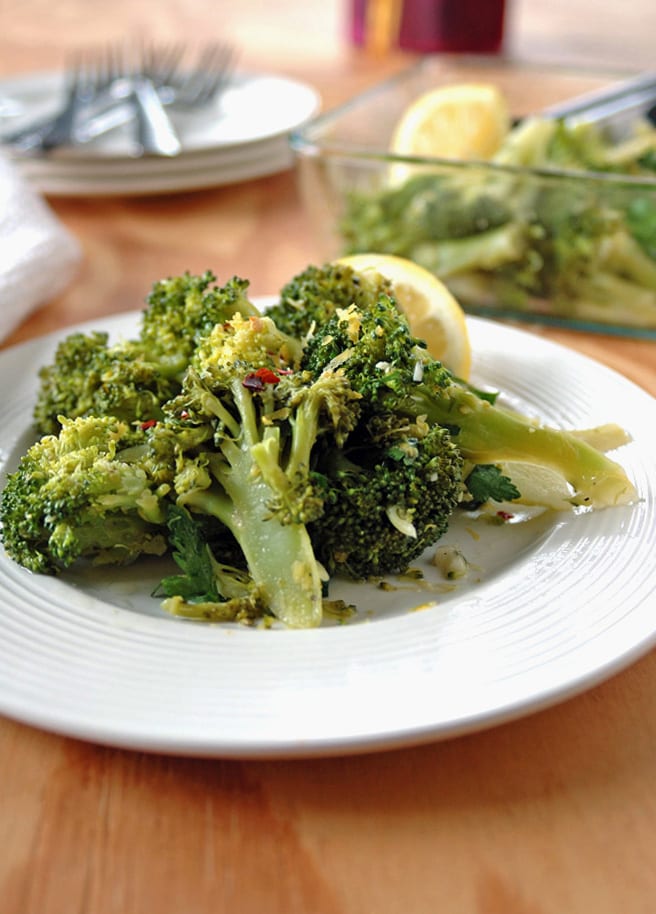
pixel 132 80
pixel 201 85
pixel 84 82
pixel 115 102
pixel 177 88
pixel 89 78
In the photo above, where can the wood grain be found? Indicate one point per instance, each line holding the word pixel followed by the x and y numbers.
pixel 551 814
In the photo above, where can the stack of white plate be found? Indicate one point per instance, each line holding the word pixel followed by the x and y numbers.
pixel 241 135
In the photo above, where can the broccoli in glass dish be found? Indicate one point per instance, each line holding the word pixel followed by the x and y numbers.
pixel 559 224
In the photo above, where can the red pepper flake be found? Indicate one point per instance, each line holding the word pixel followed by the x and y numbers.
pixel 268 376
pixel 504 515
pixel 184 414
pixel 256 380
pixel 149 423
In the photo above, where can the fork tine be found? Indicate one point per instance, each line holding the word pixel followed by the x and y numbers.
pixel 169 59
pixel 212 71
pixel 80 89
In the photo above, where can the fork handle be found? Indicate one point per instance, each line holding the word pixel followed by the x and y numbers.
pixel 46 133
pixel 155 132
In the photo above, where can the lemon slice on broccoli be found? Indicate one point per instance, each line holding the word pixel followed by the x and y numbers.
pixel 435 316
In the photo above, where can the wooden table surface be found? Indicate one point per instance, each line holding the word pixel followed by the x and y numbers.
pixel 551 814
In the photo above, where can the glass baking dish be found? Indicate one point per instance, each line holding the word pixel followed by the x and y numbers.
pixel 350 185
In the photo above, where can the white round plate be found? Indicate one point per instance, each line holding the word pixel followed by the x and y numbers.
pixel 551 606
pixel 164 176
pixel 250 120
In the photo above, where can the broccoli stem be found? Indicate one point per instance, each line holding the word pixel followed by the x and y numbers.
pixel 491 434
pixel 487 250
pixel 280 557
pixel 596 297
pixel 623 255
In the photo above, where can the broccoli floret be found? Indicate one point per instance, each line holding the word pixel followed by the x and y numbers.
pixel 182 310
pixel 577 144
pixel 528 144
pixel 393 371
pixel 91 377
pixel 624 256
pixel 256 422
pixel 446 224
pixel 131 379
pixel 388 496
pixel 309 299
pixel 83 494
pixel 449 227
pixel 574 144
pixel 390 486
pixel 459 210
pixel 567 229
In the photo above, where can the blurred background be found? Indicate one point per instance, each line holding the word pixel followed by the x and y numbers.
pixel 298 32
pixel 307 40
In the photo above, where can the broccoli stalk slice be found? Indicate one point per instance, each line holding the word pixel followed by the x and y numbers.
pixel 623 255
pixel 292 594
pixel 489 434
pixel 279 556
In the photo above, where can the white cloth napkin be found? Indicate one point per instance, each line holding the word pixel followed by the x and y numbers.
pixel 38 255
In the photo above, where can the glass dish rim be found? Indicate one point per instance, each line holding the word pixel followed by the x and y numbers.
pixel 306 140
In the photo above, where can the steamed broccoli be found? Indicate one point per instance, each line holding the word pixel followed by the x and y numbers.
pixel 131 379
pixel 90 377
pixel 580 247
pixel 311 297
pixel 274 459
pixel 390 487
pixel 181 310
pixel 394 373
pixel 447 225
pixel 83 494
pixel 583 145
pixel 388 495
pixel 234 445
pixel 256 422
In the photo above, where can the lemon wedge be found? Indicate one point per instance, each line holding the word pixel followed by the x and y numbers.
pixel 459 121
pixel 433 313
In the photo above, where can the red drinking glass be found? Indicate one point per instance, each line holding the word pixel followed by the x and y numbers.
pixel 465 26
